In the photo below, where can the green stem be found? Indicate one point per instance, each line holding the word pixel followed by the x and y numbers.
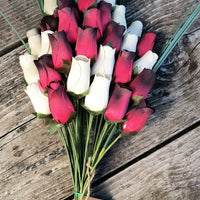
pixel 87 146
pixel 40 6
pixel 76 160
pixel 66 146
pixel 6 19
pixel 177 38
pixel 110 136
pixel 179 26
pixel 99 142
pixel 101 155
pixel 96 139
pixel 103 152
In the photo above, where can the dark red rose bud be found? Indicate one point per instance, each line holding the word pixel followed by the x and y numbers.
pixel 92 19
pixel 114 33
pixel 136 119
pixel 59 103
pixel 46 73
pixel 86 44
pixel 85 4
pixel 118 103
pixel 124 67
pixel 142 84
pixel 65 3
pixel 49 23
pixel 146 43
pixel 105 13
pixel 68 23
pixel 61 49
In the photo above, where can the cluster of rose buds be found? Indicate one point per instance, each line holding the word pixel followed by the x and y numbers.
pixel 81 50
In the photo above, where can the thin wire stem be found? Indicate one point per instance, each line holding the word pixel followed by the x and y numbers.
pixel 42 5
pixel 177 38
pixel 65 143
pixel 6 19
pixel 87 147
pixel 179 26
pixel 39 6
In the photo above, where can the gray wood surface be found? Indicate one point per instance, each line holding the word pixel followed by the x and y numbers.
pixel 24 15
pixel 170 173
pixel 34 165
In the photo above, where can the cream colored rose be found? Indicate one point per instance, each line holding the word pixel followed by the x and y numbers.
pixel 34 42
pixel 46 45
pixel 79 76
pixel 50 6
pixel 135 28
pixel 129 42
pixel 105 61
pixel 147 61
pixel 30 71
pixel 38 99
pixel 98 96
pixel 118 15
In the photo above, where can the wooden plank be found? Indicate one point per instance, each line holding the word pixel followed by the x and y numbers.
pixel 173 172
pixel 23 14
pixel 34 165
pixel 15 105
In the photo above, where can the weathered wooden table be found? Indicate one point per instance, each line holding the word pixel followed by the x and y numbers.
pixel 162 162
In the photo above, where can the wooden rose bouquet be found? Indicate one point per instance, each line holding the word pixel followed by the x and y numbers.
pixel 90 73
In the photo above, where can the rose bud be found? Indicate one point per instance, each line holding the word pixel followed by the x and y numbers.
pixel 38 99
pixel 136 119
pixel 65 3
pixel 68 23
pixel 118 15
pixel 124 67
pixel 45 45
pixel 92 19
pixel 129 42
pixel 85 4
pixel 105 61
pixel 114 33
pixel 61 49
pixel 142 84
pixel 135 28
pixel 105 13
pixel 78 80
pixel 60 105
pixel 34 42
pixel 50 6
pixel 147 61
pixel 118 103
pixel 46 73
pixel 97 99
pixel 29 69
pixel 146 43
pixel 86 44
pixel 49 23
pixel 112 2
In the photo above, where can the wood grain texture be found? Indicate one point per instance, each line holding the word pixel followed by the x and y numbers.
pixel 15 105
pixel 37 167
pixel 173 172
pixel 34 165
pixel 23 14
